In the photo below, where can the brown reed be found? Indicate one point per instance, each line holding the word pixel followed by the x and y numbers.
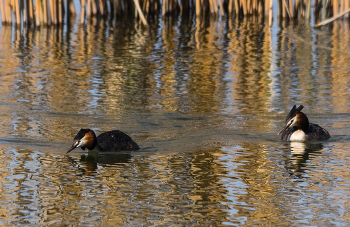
pixel 52 12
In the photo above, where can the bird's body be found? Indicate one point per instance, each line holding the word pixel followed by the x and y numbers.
pixel 298 128
pixel 314 133
pixel 108 141
pixel 115 141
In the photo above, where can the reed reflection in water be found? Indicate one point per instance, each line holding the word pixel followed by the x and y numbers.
pixel 203 98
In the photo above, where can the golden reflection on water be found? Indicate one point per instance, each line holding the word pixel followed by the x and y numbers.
pixel 204 98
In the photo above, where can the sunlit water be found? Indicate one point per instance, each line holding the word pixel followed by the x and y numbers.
pixel 203 99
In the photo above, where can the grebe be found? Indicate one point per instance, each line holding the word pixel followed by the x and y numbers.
pixel 108 141
pixel 298 128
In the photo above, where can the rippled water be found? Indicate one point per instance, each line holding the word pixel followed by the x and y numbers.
pixel 203 99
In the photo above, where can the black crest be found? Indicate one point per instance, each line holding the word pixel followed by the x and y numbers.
pixel 81 134
pixel 293 112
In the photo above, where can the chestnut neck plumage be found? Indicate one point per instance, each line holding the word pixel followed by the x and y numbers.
pixel 91 140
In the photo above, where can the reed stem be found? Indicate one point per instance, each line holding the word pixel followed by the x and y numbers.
pixel 3 15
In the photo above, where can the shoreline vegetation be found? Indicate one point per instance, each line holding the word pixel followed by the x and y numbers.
pixel 58 12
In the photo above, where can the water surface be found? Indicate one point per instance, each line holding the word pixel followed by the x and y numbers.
pixel 203 99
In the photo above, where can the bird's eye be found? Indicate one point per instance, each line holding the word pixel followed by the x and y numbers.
pixel 78 142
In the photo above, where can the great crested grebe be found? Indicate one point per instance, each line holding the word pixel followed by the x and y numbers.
pixel 298 128
pixel 108 141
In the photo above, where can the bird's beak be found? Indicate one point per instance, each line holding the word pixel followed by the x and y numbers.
pixel 72 148
pixel 284 128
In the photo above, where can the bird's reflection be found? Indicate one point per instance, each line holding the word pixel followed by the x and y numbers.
pixel 89 163
pixel 301 152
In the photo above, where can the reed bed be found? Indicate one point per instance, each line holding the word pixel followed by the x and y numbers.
pixel 57 12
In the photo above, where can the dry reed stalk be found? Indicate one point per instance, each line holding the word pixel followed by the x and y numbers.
pixel 308 10
pixel 346 7
pixel 94 7
pixel 286 7
pixel 60 13
pixel 253 6
pixel 82 12
pixel 333 18
pixel 164 7
pixel 284 13
pixel 237 7
pixel 324 9
pixel 31 10
pixel 248 5
pixel 26 9
pixel 270 13
pixel 88 13
pixel 260 9
pixel 214 5
pixel 211 6
pixel 55 13
pixel 335 7
pixel 198 9
pixel 8 11
pixel 12 6
pixel 52 11
pixel 170 6
pixel 40 10
pixel 148 6
pixel 267 4
pixel 46 16
pixel 100 3
pixel 291 9
pixel 230 6
pixel 2 10
pixel 37 12
pixel 244 4
pixel 302 9
pixel 137 5
pixel 71 7
pixel 18 16
pixel 144 6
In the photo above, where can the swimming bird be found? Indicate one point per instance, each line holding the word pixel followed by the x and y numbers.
pixel 114 140
pixel 298 128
